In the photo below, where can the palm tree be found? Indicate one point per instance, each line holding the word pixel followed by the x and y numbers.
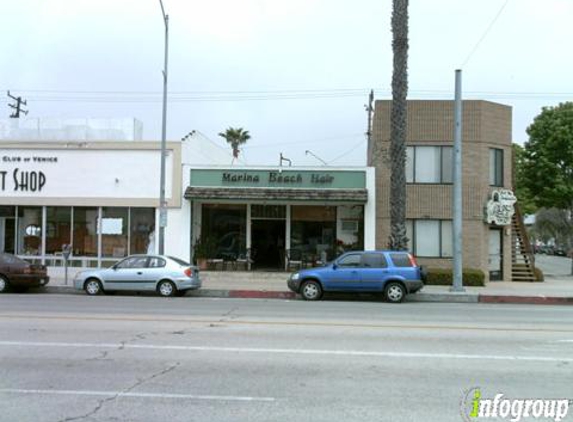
pixel 235 137
pixel 398 126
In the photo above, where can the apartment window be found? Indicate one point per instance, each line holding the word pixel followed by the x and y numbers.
pixel 496 167
pixel 430 238
pixel 429 164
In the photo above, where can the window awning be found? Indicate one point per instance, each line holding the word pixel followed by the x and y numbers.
pixel 335 195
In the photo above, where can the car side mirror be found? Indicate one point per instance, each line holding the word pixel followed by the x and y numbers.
pixel 334 266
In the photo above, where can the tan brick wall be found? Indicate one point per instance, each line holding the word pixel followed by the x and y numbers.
pixel 485 125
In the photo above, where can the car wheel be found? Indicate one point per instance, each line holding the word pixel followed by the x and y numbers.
pixel 166 289
pixel 93 287
pixel 395 292
pixel 4 285
pixel 311 290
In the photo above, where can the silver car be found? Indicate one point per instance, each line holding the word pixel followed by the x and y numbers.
pixel 165 275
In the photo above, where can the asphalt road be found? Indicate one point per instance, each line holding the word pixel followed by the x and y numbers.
pixel 133 358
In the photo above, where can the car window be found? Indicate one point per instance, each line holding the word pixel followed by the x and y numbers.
pixel 155 262
pixel 352 260
pixel 133 262
pixel 401 259
pixel 179 261
pixel 10 259
pixel 374 260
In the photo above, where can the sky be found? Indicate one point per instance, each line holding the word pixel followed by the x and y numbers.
pixel 295 73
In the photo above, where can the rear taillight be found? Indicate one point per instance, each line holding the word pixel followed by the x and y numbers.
pixel 188 272
pixel 412 260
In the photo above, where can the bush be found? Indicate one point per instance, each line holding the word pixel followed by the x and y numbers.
pixel 444 277
pixel 538 274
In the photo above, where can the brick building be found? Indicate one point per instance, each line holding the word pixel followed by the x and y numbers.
pixel 486 168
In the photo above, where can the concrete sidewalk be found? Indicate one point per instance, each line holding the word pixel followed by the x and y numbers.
pixel 555 290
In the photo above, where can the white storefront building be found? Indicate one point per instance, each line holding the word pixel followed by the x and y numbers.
pixel 101 198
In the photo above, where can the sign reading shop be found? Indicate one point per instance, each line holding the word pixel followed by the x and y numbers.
pixel 278 178
pixel 20 180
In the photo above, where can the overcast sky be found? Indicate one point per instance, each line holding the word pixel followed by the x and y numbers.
pixel 295 73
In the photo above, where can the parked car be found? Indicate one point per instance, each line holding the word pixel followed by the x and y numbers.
pixel 393 273
pixel 19 275
pixel 166 275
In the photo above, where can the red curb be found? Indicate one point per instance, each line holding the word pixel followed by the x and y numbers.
pixel 259 294
pixel 535 300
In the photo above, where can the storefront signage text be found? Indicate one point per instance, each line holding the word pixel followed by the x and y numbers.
pixel 277 178
pixel 19 180
pixel 499 209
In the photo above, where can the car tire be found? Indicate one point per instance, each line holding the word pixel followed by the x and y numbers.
pixel 93 287
pixel 395 292
pixel 4 284
pixel 311 290
pixel 166 289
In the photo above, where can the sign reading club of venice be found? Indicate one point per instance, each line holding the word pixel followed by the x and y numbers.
pixel 499 208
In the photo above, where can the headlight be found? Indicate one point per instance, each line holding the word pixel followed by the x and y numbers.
pixel 295 276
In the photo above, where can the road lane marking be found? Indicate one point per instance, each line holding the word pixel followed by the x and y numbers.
pixel 135 395
pixel 334 324
pixel 386 354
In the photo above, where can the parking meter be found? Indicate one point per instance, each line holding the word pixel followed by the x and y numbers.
pixel 66 250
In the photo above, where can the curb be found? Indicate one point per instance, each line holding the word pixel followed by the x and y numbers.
pixel 531 300
pixel 417 297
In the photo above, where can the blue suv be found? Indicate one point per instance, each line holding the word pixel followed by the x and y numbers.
pixel 393 273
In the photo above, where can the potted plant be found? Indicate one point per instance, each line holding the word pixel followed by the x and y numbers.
pixel 203 249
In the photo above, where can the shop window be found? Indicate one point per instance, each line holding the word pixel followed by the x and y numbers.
pixel 429 164
pixel 271 212
pixel 313 232
pixel 142 230
pixel 113 228
pixel 58 228
pixel 30 231
pixel 430 238
pixel 495 167
pixel 85 231
pixel 223 231
pixel 7 229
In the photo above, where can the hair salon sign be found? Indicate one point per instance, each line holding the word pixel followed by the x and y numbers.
pixel 499 208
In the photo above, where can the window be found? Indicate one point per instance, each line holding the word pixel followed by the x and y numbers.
pixel 58 228
pixel 429 164
pixel 30 231
pixel 401 260
pixel 224 230
pixel 496 167
pixel 350 260
pixel 313 229
pixel 85 233
pixel 374 260
pixel 114 232
pixel 142 230
pixel 430 238
pixel 133 262
pixel 156 262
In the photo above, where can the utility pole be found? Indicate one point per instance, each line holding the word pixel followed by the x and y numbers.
pixel 369 112
pixel 17 106
pixel 457 285
pixel 162 208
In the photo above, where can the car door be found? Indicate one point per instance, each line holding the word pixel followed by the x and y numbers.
pixel 374 270
pixel 155 271
pixel 344 274
pixel 127 274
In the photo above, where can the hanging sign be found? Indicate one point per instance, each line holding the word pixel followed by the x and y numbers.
pixel 499 209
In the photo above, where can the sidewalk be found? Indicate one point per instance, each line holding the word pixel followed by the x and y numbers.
pixel 272 285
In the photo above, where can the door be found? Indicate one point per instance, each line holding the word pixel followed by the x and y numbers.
pixel 267 244
pixel 495 256
pixel 129 274
pixel 344 273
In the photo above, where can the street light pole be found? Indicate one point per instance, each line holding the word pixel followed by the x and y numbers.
pixel 162 208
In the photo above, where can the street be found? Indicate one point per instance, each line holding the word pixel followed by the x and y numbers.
pixel 145 358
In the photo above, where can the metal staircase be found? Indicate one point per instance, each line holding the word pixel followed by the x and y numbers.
pixel 522 257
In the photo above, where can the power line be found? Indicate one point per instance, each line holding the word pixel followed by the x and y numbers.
pixel 491 24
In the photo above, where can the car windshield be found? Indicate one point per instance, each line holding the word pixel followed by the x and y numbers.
pixel 11 259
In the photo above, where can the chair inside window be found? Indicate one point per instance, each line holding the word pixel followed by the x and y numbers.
pixel 294 259
pixel 245 261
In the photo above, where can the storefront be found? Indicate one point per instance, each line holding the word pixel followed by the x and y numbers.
pixel 275 218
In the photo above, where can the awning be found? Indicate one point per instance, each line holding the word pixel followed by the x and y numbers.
pixel 334 195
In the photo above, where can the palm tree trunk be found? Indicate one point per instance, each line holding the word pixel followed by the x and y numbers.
pixel 398 127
